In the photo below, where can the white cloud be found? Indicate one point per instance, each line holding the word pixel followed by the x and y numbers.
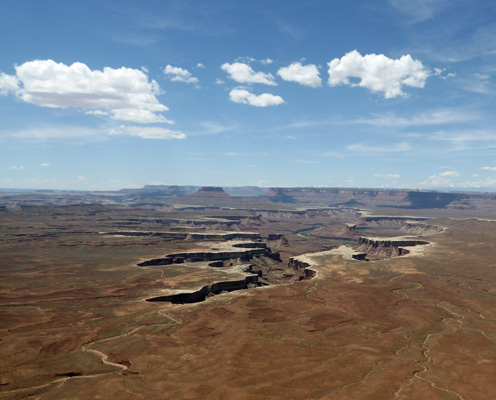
pixel 45 164
pixel 200 65
pixel 489 168
pixel 267 61
pixel 419 10
pixel 176 74
pixel 439 73
pixel 394 176
pixel 148 132
pixel 436 181
pixel 56 132
pixel 378 73
pixel 307 75
pixel 466 139
pixel 17 168
pixel 213 128
pixel 125 93
pixel 243 73
pixel 436 117
pixel 262 100
pixel 219 81
pixel 442 180
pixel 393 148
pixel 449 173
pixel 8 84
pixel 97 112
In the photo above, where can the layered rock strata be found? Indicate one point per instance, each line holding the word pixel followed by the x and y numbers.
pixel 208 290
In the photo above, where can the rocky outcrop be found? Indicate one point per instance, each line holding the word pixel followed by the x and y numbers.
pixel 350 230
pixel 302 267
pixel 390 242
pixel 413 228
pixel 420 199
pixel 375 249
pixel 210 191
pixel 194 236
pixel 278 195
pixel 196 256
pixel 208 290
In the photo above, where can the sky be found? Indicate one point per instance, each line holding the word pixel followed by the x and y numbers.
pixel 104 95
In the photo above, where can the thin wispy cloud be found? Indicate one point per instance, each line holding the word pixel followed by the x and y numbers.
pixel 393 148
pixel 430 118
pixel 420 10
pixel 148 132
pixel 388 176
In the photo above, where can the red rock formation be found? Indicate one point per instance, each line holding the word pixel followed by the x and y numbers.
pixel 210 191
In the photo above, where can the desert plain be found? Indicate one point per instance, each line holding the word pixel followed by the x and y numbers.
pixel 205 293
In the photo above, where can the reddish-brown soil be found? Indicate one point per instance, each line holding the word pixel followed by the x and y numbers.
pixel 75 323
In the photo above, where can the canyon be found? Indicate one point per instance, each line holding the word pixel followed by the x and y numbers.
pixel 285 293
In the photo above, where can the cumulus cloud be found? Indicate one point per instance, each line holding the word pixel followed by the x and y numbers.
pixel 17 168
pixel 45 164
pixel 262 100
pixel 243 73
pixel 124 93
pixel 148 132
pixel 176 74
pixel 378 73
pixel 449 173
pixel 441 180
pixel 307 75
pixel 489 168
pixel 8 84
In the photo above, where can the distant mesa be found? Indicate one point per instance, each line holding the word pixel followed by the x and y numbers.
pixel 278 195
pixel 157 192
pixel 210 191
pixel 350 203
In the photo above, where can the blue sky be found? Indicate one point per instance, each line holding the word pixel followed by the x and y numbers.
pixel 105 95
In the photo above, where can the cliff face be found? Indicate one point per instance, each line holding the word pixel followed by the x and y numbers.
pixel 302 268
pixel 375 249
pixel 375 243
pixel 208 290
pixel 408 199
pixel 279 195
pixel 211 191
pixel 433 199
